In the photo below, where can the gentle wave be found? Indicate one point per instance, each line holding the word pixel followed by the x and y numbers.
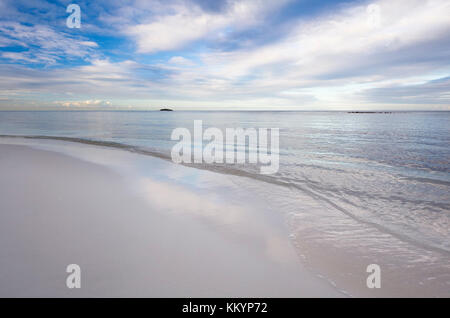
pixel 307 187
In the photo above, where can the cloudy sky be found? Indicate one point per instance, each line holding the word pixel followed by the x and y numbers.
pixel 226 54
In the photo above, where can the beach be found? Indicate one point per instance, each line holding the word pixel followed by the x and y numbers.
pixel 101 189
pixel 130 237
pixel 139 225
pixel 225 149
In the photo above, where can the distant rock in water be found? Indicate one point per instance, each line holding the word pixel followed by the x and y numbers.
pixel 166 110
pixel 369 112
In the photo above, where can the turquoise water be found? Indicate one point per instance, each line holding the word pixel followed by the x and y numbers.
pixel 388 170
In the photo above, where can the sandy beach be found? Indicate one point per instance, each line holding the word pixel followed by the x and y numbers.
pixel 143 237
pixel 225 149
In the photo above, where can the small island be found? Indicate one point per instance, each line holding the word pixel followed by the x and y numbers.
pixel 166 110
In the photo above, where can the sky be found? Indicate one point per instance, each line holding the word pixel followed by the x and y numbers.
pixel 226 54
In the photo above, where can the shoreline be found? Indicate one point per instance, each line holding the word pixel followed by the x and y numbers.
pixel 127 244
pixel 315 241
pixel 228 170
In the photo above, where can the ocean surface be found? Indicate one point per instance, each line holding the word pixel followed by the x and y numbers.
pixel 386 171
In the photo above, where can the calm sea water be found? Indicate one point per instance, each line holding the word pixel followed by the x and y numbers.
pixel 391 171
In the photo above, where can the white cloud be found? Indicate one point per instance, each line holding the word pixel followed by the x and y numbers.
pixel 332 42
pixel 17 56
pixel 88 43
pixel 84 104
pixel 179 60
pixel 327 55
pixel 43 44
pixel 337 60
pixel 185 23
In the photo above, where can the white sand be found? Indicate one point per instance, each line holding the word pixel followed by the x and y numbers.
pixel 167 239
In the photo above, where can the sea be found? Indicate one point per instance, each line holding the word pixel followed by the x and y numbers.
pixel 373 181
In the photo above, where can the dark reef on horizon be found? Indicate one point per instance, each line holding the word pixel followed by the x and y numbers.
pixel 369 112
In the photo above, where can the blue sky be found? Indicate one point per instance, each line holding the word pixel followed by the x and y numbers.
pixel 226 54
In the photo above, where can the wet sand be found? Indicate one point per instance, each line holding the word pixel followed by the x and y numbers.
pixel 164 240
